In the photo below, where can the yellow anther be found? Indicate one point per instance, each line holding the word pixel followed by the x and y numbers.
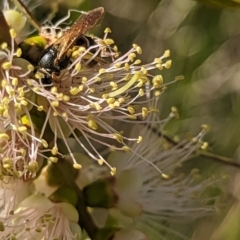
pixel 118 137
pixel 23 152
pixel 53 159
pixel 113 85
pixel 107 30
pixel 100 162
pixel 4 83
pixel 4 46
pixel 113 171
pixel 157 81
pixel 121 100
pixel 54 150
pixel 19 52
pixel 108 41
pixel 204 146
pixel 65 116
pixel 127 76
pixel 44 143
pixel 140 138
pixel 78 67
pixel 92 90
pixel 4 137
pixel 133 117
pixel 168 64
pixel 110 100
pixel 206 127
pixel 74 91
pixel 30 67
pixel 117 65
pixel 141 92
pixel 115 48
pixel 92 124
pixel 24 102
pixel 98 107
pixel 105 96
pixel 131 56
pixel 53 90
pixel 40 108
pixel 126 149
pixel 166 53
pixel 6 65
pixel 165 176
pixel 77 166
pixel 22 129
pixel 179 78
pixel 159 66
pixel 81 49
pixel 138 61
pixel 80 88
pixel 131 110
pixel 139 50
pixel 102 70
pixel 12 33
pixel 32 166
pixel 84 80
pixel 75 54
pixel 55 103
pixel 66 98
pixel 158 60
pixel 144 112
pixel 127 66
pixel 111 106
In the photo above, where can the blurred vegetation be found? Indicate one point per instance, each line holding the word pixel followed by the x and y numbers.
pixel 204 39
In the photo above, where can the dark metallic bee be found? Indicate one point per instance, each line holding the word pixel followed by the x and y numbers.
pixel 56 57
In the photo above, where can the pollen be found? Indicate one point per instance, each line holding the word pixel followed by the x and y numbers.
pixel 77 166
pixel 19 52
pixel 118 137
pixel 102 70
pixel 44 143
pixel 126 149
pixel 55 103
pixel 4 46
pixel 13 33
pixel 4 137
pixel 113 171
pixel 108 41
pixel 166 54
pixel 6 65
pixel 140 138
pixel 144 112
pixel 107 30
pixel 53 159
pixel 168 64
pixel 101 162
pixel 54 150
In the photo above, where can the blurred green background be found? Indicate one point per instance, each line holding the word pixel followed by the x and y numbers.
pixel 204 40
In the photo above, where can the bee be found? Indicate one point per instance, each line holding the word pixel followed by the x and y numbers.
pixel 56 57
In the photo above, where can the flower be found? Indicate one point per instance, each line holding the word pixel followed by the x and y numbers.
pixel 138 195
pixel 38 218
pixel 84 102
pixel 84 108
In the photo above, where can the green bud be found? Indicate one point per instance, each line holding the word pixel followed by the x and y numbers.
pixel 64 194
pixel 101 193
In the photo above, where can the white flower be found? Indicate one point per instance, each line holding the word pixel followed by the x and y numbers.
pixel 139 196
pixel 39 218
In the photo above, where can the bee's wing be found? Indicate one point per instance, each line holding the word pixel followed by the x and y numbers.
pixel 80 27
